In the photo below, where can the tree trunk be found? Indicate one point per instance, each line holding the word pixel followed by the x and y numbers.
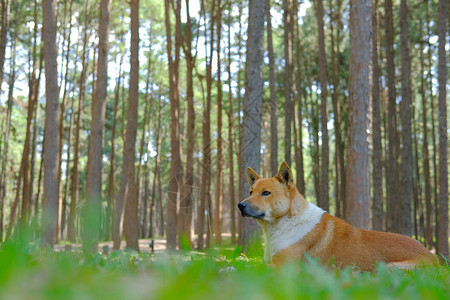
pixel 323 200
pixel 392 206
pixel 219 173
pixel 339 151
pixel 131 224
pixel 175 162
pixel 205 193
pixel 75 181
pixel 231 138
pixel 51 137
pixel 251 129
pixel 300 178
pixel 91 225
pixel 405 114
pixel 358 183
pixel 273 96
pixel 377 200
pixel 442 211
pixel 288 25
pixel 156 172
pixel 189 180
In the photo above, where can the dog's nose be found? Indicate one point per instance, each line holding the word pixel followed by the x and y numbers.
pixel 242 205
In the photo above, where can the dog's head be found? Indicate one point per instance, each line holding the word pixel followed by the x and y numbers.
pixel 270 198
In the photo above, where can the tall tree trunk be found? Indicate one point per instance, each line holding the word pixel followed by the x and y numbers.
pixel 358 182
pixel 288 30
pixel 251 129
pixel 273 96
pixel 156 172
pixel 392 206
pixel 205 193
pixel 298 74
pixel 5 138
pixel 189 180
pixel 175 162
pixel 131 227
pixel 442 211
pixel 230 137
pixel 324 197
pixel 51 137
pixel 219 173
pixel 377 200
pixel 71 232
pixel 339 151
pixel 91 225
pixel 405 114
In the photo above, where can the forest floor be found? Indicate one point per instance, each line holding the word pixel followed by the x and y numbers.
pixel 28 271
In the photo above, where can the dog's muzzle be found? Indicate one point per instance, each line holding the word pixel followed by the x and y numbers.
pixel 249 211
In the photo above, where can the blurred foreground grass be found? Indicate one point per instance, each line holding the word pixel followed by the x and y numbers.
pixel 29 272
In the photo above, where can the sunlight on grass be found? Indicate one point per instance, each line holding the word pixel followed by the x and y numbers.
pixel 29 272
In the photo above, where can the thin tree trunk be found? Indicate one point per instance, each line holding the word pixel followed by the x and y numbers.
pixel 357 169
pixel 324 197
pixel 392 206
pixel 377 200
pixel 156 172
pixel 12 80
pixel 405 114
pixel 339 151
pixel 251 134
pixel 71 232
pixel 230 138
pixel 442 211
pixel 206 171
pixel 91 225
pixel 51 142
pixel 273 96
pixel 189 180
pixel 219 173
pixel 299 146
pixel 288 25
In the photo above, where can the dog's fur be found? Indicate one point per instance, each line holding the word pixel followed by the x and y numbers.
pixel 294 227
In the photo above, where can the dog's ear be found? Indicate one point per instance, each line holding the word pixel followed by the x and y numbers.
pixel 285 174
pixel 252 176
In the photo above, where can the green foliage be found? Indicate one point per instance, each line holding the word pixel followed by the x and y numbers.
pixel 30 272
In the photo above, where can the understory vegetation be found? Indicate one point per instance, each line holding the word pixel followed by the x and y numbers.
pixel 30 272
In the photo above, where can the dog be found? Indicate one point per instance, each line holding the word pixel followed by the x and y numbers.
pixel 294 227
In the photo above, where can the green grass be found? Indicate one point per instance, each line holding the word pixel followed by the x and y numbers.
pixel 28 272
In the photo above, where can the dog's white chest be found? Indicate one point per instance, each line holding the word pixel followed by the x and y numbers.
pixel 288 231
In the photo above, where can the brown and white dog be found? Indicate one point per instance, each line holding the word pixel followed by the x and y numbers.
pixel 293 227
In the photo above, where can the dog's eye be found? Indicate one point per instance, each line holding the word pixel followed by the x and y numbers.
pixel 251 193
pixel 266 193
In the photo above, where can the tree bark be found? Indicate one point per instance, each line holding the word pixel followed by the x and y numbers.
pixel 51 139
pixel 231 138
pixel 405 114
pixel 3 36
pixel 251 129
pixel 358 192
pixel 273 96
pixel 175 162
pixel 377 200
pixel 323 200
pixel 392 206
pixel 442 211
pixel 189 180
pixel 131 224
pixel 91 225
pixel 288 25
